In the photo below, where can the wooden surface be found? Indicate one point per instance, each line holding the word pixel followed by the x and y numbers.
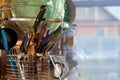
pixel 3 65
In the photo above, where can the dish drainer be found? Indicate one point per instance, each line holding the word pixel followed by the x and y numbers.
pixel 27 68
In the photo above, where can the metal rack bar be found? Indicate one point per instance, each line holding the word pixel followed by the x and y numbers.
pixel 30 19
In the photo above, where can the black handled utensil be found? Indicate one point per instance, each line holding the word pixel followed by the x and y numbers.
pixel 39 18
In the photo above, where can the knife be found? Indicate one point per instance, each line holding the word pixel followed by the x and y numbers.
pixel 41 34
pixel 39 17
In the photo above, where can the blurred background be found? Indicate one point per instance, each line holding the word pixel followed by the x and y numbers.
pixel 96 40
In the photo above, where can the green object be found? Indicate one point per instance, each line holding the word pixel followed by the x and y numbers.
pixel 31 8
pixel 67 12
pixel 56 32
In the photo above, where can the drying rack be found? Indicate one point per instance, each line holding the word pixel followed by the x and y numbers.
pixel 29 69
